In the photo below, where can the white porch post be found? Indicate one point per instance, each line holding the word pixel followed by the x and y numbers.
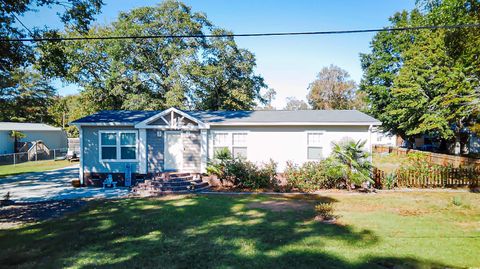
pixel 81 154
pixel 142 151
pixel 203 150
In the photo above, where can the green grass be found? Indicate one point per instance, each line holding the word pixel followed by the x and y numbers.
pixel 388 162
pixel 406 230
pixel 8 170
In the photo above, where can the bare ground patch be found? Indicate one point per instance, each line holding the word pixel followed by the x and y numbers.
pixel 20 213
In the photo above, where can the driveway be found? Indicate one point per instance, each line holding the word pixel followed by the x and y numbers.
pixel 52 185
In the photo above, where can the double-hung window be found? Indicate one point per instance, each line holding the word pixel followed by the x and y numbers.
pixel 235 142
pixel 220 141
pixel 239 145
pixel 118 145
pixel 314 146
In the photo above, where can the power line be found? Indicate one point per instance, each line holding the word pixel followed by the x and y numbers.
pixel 24 26
pixel 431 27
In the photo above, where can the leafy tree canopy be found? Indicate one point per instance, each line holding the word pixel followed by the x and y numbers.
pixel 333 89
pixel 156 73
pixel 428 81
pixel 19 102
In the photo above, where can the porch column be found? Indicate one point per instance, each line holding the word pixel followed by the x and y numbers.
pixel 142 151
pixel 203 151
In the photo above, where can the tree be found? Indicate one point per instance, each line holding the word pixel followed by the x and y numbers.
pixel 380 68
pixel 295 104
pixel 333 89
pixel 156 73
pixel 17 57
pixel 67 109
pixel 16 135
pixel 353 161
pixel 269 96
pixel 426 82
pixel 28 98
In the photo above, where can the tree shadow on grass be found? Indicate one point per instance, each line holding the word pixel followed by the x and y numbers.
pixel 188 232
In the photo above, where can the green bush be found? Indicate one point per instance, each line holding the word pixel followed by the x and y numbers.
pixel 246 174
pixel 313 176
pixel 242 173
pixel 325 211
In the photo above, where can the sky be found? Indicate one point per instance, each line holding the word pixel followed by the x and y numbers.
pixel 288 63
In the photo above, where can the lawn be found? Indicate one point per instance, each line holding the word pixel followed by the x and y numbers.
pixel 406 230
pixel 388 162
pixel 8 170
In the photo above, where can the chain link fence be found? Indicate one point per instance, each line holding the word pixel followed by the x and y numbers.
pixel 41 155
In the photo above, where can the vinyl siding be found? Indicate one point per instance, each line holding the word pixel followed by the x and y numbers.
pixel 155 151
pixel 91 161
pixel 289 143
pixel 191 153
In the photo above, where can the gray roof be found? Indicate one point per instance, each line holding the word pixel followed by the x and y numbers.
pixel 283 116
pixel 239 117
pixel 118 116
pixel 26 126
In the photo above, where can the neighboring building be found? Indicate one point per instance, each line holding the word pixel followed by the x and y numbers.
pixel 52 137
pixel 380 137
pixel 173 140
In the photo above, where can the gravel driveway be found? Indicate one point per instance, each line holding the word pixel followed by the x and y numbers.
pixel 52 185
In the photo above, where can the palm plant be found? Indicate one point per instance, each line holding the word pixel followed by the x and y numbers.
pixel 353 161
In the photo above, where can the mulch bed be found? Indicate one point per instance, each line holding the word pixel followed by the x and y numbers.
pixel 21 213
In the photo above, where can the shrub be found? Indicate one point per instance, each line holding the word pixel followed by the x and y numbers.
pixel 242 173
pixel 313 175
pixel 390 181
pixel 246 174
pixel 221 159
pixel 325 211
pixel 354 162
pixel 457 201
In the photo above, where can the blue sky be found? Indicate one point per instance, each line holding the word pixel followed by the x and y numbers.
pixel 288 64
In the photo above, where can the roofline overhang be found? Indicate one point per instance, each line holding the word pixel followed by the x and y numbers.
pixel 294 123
pixel 80 124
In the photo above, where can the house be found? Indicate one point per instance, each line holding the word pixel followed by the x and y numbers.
pixel 149 142
pixel 52 137
pixel 380 137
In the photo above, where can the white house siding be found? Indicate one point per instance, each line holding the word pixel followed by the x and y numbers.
pixel 289 143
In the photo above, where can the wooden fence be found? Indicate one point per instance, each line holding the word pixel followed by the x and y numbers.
pixel 430 157
pixel 443 177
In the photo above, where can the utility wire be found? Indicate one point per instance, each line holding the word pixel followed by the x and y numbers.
pixel 24 26
pixel 431 27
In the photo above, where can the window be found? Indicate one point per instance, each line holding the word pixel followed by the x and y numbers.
pixel 220 140
pixel 235 142
pixel 314 146
pixel 239 145
pixel 118 145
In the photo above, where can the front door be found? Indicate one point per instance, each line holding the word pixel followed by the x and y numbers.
pixel 173 151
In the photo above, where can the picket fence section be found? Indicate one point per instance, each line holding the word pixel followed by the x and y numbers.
pixel 430 157
pixel 443 177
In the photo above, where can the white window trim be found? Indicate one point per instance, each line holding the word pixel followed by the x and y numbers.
pixel 229 140
pixel 117 145
pixel 319 145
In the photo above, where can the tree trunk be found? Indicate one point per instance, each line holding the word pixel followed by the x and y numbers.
pixel 15 142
